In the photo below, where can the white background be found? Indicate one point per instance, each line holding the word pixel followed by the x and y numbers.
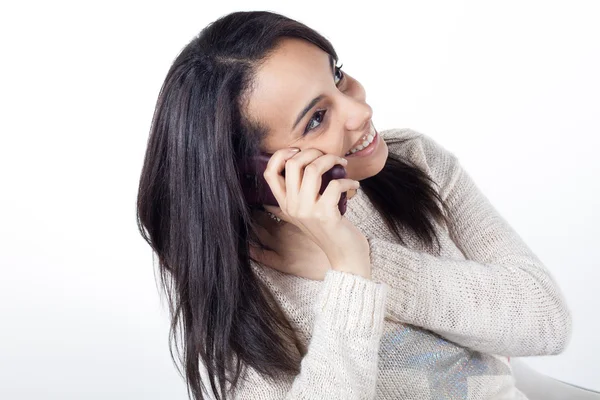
pixel 512 88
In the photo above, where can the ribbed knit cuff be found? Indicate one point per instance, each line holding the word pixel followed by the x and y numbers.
pixel 397 266
pixel 352 303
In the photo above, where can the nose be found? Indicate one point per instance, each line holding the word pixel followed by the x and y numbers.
pixel 358 113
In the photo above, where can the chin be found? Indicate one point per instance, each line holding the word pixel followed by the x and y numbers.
pixel 371 166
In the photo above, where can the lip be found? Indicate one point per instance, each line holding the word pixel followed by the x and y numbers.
pixel 372 145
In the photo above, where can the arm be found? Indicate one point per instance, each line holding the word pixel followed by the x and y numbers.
pixel 500 300
pixel 341 361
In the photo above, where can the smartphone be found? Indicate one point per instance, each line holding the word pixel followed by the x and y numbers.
pixel 258 192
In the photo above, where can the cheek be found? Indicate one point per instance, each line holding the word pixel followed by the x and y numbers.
pixel 356 89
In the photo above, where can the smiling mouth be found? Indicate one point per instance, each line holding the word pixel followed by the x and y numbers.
pixel 365 141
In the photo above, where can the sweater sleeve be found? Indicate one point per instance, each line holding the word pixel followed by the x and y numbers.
pixel 341 359
pixel 500 300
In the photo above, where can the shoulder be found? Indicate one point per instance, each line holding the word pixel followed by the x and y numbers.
pixel 424 152
pixel 417 146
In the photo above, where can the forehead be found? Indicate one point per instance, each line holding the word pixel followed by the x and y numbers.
pixel 295 73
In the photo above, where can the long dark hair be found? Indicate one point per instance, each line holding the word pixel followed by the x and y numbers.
pixel 191 209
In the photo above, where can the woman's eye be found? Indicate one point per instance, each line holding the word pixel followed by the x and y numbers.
pixel 341 74
pixel 317 117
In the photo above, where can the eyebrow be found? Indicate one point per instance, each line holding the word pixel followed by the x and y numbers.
pixel 314 101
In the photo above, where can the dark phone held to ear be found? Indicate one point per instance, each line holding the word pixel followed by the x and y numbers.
pixel 258 192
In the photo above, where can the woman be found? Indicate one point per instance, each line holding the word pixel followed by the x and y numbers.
pixel 304 302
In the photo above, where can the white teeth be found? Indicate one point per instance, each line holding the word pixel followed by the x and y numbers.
pixel 364 144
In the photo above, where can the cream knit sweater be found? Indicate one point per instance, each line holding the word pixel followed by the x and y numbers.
pixel 424 326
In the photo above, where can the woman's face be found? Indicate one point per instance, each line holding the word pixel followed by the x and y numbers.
pixel 306 102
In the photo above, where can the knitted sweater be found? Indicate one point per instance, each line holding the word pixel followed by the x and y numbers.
pixel 424 326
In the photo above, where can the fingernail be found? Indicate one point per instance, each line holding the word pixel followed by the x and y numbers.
pixel 293 149
pixel 343 161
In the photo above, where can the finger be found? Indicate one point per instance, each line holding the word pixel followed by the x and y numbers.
pixel 294 173
pixel 331 196
pixel 313 173
pixel 273 171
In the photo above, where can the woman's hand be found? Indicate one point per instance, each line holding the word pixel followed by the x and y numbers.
pixel 317 216
pixel 293 252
